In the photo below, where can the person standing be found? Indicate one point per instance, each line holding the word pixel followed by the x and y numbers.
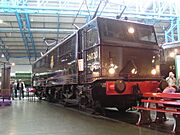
pixel 23 88
pixel 171 80
pixel 20 87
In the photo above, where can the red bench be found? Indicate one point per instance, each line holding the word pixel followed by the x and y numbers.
pixel 31 93
pixel 164 103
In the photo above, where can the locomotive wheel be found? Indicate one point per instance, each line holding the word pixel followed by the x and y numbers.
pixel 98 108
pixel 83 102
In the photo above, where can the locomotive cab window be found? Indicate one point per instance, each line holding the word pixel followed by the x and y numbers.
pixel 117 31
pixel 91 35
pixel 146 34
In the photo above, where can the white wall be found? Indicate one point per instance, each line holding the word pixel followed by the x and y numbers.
pixel 21 68
pixel 21 65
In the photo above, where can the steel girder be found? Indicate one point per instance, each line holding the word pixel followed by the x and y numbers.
pixel 4 49
pixel 24 26
pixel 142 9
pixel 58 26
pixel 173 32
pixel 152 9
pixel 34 30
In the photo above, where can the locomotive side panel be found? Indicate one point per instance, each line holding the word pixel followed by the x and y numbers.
pixel 59 65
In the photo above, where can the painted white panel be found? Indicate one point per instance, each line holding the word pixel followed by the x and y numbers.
pixel 21 68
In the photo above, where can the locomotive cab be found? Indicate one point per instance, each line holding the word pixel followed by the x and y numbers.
pixel 121 60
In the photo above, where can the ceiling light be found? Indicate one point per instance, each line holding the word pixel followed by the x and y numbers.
pixel 2 55
pixel 1 21
pixel 13 64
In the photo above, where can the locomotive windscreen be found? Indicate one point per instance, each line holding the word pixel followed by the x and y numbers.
pixel 129 62
pixel 118 31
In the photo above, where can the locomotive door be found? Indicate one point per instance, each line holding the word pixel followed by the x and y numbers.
pixel 89 51
pixel 81 65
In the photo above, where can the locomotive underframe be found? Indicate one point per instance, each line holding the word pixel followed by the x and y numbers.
pixel 94 95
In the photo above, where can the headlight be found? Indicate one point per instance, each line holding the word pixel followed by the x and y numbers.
pixel 134 71
pixel 111 70
pixel 153 72
pixel 131 30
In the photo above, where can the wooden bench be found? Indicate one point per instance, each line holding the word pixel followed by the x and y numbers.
pixel 164 103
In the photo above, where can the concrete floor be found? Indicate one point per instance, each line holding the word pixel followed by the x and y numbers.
pixel 40 118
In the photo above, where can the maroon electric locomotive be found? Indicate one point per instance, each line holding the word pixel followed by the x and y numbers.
pixel 106 63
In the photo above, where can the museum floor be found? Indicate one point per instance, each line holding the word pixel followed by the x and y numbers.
pixel 25 117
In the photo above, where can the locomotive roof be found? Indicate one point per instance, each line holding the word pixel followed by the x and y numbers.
pixel 127 21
